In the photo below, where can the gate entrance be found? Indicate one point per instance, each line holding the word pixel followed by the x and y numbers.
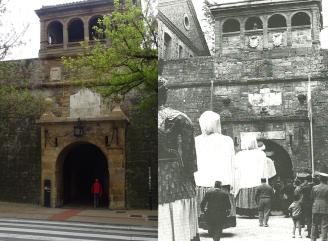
pixel 284 169
pixel 281 159
pixel 79 166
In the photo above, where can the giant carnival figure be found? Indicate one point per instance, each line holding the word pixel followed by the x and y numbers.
pixel 251 164
pixel 177 163
pixel 215 160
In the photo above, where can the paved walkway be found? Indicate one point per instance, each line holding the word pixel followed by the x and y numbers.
pixel 104 216
pixel 280 229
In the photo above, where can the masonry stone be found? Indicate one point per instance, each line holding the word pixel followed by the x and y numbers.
pixel 36 150
pixel 260 79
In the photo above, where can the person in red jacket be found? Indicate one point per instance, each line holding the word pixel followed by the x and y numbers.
pixel 96 190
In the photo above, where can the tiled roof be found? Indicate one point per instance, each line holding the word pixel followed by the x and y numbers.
pixel 67 4
pixel 72 5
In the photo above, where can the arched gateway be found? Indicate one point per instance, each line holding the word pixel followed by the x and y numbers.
pixel 76 151
pixel 77 167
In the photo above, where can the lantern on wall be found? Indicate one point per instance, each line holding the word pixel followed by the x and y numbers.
pixel 79 129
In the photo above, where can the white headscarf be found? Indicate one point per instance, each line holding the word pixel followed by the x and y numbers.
pixel 249 143
pixel 210 123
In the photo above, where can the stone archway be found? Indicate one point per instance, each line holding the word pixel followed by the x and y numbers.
pixel 280 157
pixel 284 169
pixel 104 136
pixel 76 168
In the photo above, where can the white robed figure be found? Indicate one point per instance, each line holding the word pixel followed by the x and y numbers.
pixel 251 164
pixel 215 155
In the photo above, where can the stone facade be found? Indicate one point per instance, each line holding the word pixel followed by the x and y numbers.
pixel 117 135
pixel 180 35
pixel 260 80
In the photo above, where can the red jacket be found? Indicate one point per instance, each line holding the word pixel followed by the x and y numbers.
pixel 96 188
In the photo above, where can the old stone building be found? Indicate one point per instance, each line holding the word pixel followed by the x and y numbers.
pixel 180 33
pixel 81 136
pixel 265 54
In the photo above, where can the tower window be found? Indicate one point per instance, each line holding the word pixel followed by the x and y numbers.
pixel 186 22
pixel 55 33
pixel 96 22
pixel 231 25
pixel 301 19
pixel 180 52
pixel 254 23
pixel 277 21
pixel 167 46
pixel 75 31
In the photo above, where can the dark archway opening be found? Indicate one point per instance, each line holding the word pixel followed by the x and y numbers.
pixel 96 28
pixel 55 33
pixel 82 164
pixel 253 23
pixel 231 25
pixel 277 21
pixel 284 169
pixel 301 19
pixel 76 31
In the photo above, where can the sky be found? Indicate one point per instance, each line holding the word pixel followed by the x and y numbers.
pixel 21 13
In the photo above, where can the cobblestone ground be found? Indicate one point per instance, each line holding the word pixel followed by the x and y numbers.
pixel 280 229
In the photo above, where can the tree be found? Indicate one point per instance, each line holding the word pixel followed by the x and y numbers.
pixel 128 60
pixel 9 37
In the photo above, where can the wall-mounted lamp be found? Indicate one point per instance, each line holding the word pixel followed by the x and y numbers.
pixel 301 98
pixel 290 134
pixel 79 129
pixel 112 139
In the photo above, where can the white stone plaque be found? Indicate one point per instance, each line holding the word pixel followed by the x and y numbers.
pixel 85 103
pixel 55 73
pixel 268 135
pixel 265 98
pixel 254 41
pixel 277 39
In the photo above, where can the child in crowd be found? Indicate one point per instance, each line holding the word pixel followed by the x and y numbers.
pixel 296 214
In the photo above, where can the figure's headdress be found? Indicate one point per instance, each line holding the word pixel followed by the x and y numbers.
pixel 249 142
pixel 210 123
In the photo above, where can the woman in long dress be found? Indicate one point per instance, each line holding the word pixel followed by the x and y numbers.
pixel 252 164
pixel 177 163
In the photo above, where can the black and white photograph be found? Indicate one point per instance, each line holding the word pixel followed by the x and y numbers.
pixel 242 123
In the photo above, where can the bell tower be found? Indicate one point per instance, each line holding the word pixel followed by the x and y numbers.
pixel 64 26
pixel 266 24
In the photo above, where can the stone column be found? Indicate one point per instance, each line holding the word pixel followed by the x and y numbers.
pixel 86 29
pixel 289 30
pixel 43 35
pixel 218 37
pixel 315 26
pixel 65 34
pixel 242 33
pixel 265 32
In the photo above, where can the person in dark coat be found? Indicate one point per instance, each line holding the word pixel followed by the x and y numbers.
pixel 218 207
pixel 320 208
pixel 263 197
pixel 306 203
pixel 288 196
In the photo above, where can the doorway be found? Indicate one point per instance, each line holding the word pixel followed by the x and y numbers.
pixel 80 165
pixel 284 170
